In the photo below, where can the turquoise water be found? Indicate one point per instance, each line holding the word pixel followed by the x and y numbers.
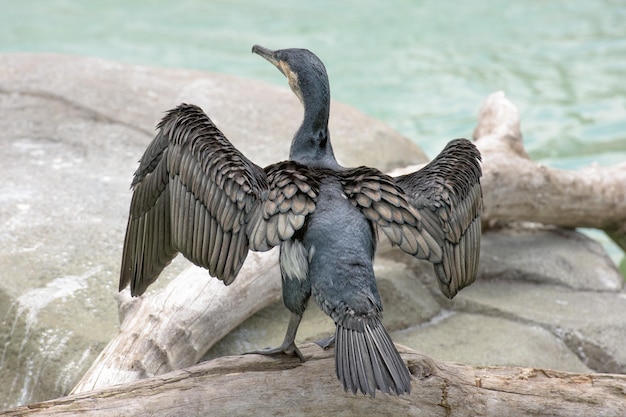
pixel 423 67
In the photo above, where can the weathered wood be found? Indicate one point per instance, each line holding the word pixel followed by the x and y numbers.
pixel 259 385
pixel 516 189
pixel 172 329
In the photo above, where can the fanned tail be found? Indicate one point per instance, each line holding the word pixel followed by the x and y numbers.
pixel 366 359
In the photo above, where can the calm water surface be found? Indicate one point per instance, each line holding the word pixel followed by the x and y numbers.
pixel 423 67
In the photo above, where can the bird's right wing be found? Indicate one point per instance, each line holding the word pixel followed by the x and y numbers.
pixel 383 202
pixel 448 196
pixel 194 193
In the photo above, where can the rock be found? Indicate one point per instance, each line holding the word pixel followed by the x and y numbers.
pixel 486 340
pixel 71 132
pixel 116 96
pixel 565 249
pixel 545 297
pixel 590 323
pixel 407 301
pixel 552 297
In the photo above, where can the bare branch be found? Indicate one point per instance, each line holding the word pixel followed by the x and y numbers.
pixel 260 385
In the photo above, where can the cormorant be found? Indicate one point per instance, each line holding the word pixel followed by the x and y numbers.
pixel 196 194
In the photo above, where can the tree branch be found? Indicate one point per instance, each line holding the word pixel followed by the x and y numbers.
pixel 517 189
pixel 260 385
pixel 172 329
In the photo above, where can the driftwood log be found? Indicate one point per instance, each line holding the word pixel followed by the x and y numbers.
pixel 174 328
pixel 171 330
pixel 516 189
pixel 252 385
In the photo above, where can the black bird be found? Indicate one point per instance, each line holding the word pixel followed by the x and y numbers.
pixel 196 194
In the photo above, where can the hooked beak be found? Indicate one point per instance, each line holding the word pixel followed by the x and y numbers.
pixel 269 55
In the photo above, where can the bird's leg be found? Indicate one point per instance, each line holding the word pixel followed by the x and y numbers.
pixel 326 342
pixel 288 347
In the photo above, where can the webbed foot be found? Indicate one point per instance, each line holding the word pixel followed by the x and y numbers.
pixel 289 349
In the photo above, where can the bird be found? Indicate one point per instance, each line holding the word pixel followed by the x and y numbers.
pixel 194 193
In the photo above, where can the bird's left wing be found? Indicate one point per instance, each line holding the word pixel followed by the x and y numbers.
pixel 384 203
pixel 194 193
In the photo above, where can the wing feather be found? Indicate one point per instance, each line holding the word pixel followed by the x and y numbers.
pixel 448 196
pixel 293 193
pixel 384 204
pixel 192 193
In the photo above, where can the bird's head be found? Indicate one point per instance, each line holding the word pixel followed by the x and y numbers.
pixel 309 81
pixel 304 70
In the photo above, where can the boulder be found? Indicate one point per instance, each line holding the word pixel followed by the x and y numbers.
pixel 544 298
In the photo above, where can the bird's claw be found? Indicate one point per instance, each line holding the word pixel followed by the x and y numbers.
pixel 326 343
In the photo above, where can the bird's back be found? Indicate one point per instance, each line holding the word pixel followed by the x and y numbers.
pixel 341 244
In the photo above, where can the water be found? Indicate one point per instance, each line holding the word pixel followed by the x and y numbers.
pixel 423 67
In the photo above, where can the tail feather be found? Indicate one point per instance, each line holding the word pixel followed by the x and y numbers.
pixel 367 360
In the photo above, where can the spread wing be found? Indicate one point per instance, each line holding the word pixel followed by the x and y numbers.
pixel 385 204
pixel 196 194
pixel 448 196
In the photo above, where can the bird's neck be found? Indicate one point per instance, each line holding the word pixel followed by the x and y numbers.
pixel 311 143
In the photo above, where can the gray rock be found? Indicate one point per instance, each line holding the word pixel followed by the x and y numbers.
pixel 113 96
pixel 407 301
pixel 590 323
pixel 485 340
pixel 544 297
pixel 560 286
pixel 566 251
